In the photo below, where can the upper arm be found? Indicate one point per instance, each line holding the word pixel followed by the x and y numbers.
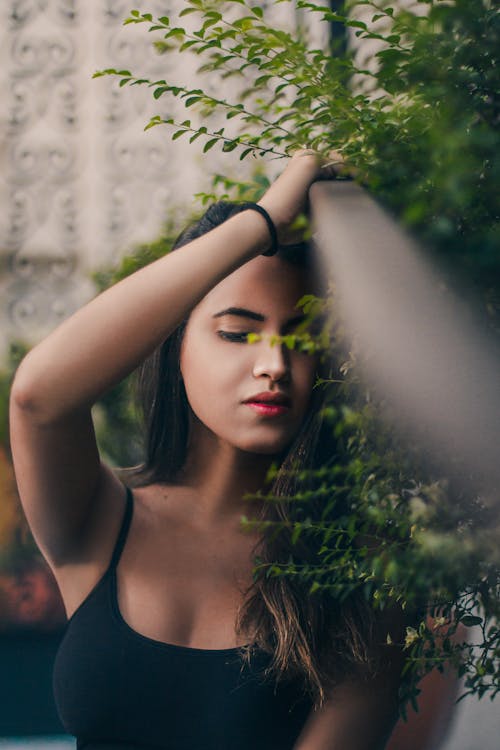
pixel 63 486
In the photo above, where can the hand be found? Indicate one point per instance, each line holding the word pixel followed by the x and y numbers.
pixel 287 196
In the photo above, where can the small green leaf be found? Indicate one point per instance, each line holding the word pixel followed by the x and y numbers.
pixel 213 14
pixel 188 44
pixel 245 153
pixel 209 144
pixel 296 533
pixel 156 120
pixel 252 338
pixel 244 24
pixel 207 24
pixel 470 620
pixel 356 24
pixel 229 146
pixel 261 80
pixel 175 32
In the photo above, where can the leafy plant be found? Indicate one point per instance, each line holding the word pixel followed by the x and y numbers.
pixel 421 124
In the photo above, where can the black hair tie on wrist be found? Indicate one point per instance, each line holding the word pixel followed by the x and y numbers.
pixel 272 229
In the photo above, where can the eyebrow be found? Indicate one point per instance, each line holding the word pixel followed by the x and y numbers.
pixel 242 312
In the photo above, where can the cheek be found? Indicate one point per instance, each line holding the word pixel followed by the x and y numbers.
pixel 217 376
pixel 211 375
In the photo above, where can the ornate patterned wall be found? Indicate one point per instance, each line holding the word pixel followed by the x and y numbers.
pixel 80 182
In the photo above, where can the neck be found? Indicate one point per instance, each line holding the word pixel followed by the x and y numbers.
pixel 220 475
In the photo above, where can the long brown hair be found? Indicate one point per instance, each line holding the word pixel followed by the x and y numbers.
pixel 310 637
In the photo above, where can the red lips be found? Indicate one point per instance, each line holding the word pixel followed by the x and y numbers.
pixel 269 397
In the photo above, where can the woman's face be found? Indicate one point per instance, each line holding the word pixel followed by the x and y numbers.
pixel 222 371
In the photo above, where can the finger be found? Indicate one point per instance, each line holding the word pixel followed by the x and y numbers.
pixel 337 166
pixel 304 152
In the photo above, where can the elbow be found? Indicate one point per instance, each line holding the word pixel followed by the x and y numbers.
pixel 27 398
pixel 24 403
pixel 41 395
pixel 22 391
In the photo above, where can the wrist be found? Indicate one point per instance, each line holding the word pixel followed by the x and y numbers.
pixel 276 214
pixel 272 247
pixel 307 161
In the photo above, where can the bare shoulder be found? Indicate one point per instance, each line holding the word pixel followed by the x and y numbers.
pixel 77 576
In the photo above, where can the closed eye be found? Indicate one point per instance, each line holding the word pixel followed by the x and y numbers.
pixel 240 338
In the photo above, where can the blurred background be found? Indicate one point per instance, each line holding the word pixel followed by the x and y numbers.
pixel 81 185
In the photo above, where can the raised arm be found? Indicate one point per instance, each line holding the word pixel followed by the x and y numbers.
pixel 71 500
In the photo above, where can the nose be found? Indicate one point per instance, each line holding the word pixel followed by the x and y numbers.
pixel 272 361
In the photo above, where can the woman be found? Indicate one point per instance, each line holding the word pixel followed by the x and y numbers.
pixel 157 582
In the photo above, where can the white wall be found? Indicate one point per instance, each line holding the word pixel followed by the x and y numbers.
pixel 80 181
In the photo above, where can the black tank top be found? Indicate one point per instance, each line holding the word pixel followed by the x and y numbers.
pixel 116 689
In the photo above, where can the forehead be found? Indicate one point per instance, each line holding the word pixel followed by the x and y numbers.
pixel 267 285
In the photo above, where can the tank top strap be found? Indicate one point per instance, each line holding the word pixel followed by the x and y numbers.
pixel 122 536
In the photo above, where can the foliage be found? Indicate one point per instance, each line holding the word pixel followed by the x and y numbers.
pixel 421 126
pixel 422 129
pixel 425 542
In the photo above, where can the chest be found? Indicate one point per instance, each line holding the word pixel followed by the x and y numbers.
pixel 182 586
pixel 111 685
pixel 149 658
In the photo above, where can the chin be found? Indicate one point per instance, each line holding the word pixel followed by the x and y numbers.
pixel 265 447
